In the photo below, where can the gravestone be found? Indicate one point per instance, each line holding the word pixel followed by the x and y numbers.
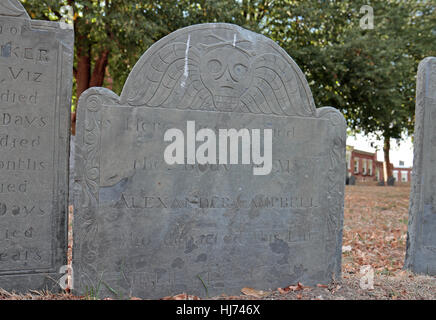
pixel 149 228
pixel 352 181
pixel 36 59
pixel 421 235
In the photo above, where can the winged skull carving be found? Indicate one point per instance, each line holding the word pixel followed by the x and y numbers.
pixel 223 76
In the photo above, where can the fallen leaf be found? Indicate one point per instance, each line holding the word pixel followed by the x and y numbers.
pixel 182 296
pixel 283 291
pixel 346 249
pixel 298 287
pixel 254 292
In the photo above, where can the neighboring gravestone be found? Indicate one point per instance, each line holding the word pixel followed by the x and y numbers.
pixel 36 59
pixel 352 181
pixel 147 228
pixel 421 240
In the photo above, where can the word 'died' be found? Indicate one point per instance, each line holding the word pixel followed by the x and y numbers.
pixel 206 153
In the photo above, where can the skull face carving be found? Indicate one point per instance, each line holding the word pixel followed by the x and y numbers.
pixel 226 72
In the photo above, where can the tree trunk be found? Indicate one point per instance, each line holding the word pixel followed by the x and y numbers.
pixel 386 149
pixel 83 73
pixel 99 71
pixel 83 76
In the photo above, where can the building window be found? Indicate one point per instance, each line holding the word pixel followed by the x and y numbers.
pixel 395 173
pixel 404 175
pixel 370 167
pixel 401 163
pixel 348 157
pixel 364 166
pixel 356 165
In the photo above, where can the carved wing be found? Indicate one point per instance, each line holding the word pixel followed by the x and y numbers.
pixel 276 89
pixel 171 76
pixel 11 8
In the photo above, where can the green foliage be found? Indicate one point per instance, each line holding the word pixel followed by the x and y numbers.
pixel 369 74
pixel 127 28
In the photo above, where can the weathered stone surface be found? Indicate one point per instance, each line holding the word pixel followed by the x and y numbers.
pixel 36 59
pixel 421 236
pixel 149 229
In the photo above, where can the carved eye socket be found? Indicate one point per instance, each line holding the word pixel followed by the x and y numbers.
pixel 239 70
pixel 214 66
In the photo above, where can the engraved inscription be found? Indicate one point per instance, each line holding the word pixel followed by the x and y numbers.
pixel 35 81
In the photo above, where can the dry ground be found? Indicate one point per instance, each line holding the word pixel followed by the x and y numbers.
pixel 375 229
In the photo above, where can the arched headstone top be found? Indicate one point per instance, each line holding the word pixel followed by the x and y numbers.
pixel 12 8
pixel 219 67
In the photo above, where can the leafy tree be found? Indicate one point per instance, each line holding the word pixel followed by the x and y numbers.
pixel 382 63
pixel 369 74
pixel 110 35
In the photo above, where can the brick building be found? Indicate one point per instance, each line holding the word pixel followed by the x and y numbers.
pixel 402 173
pixel 365 167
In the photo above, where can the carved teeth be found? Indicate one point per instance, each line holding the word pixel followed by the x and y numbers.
pixel 226 102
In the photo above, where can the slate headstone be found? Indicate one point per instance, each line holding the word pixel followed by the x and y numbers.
pixel 421 236
pixel 147 228
pixel 36 59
